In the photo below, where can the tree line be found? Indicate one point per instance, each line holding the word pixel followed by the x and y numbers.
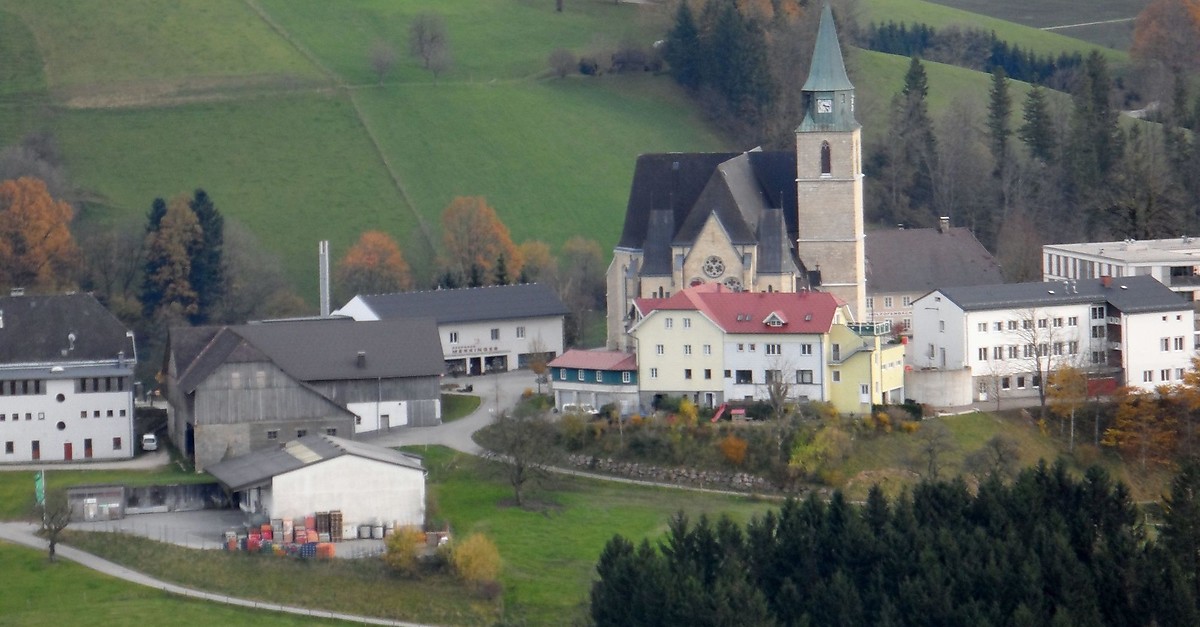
pixel 972 48
pixel 1047 549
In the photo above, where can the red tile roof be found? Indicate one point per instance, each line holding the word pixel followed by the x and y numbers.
pixel 747 312
pixel 596 360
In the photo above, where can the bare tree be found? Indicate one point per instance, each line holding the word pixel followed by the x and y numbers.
pixel 429 43
pixel 998 457
pixel 779 387
pixel 934 441
pixel 56 515
pixel 1046 345
pixel 1067 388
pixel 524 442
pixel 562 62
pixel 382 57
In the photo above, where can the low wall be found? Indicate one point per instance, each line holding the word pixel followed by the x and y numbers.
pixel 940 388
pixel 113 502
pixel 716 479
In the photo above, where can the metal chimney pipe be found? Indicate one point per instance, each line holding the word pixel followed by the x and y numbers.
pixel 323 256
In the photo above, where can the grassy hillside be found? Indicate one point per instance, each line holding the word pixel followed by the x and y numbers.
pixel 272 107
pixel 939 16
pixel 1102 22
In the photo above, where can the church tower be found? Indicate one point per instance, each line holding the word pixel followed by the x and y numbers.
pixel 829 180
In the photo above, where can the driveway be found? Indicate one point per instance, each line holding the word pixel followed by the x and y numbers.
pixel 145 461
pixel 497 392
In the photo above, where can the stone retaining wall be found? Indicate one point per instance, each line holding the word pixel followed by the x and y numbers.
pixel 722 480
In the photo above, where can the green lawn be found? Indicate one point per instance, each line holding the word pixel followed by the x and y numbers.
pixel 1040 13
pixel 489 40
pixel 105 46
pixel 939 16
pixel 295 169
pixel 356 586
pixel 38 593
pixel 455 406
pixel 550 553
pixel 16 486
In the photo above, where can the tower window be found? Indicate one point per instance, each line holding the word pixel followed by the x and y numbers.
pixel 826 159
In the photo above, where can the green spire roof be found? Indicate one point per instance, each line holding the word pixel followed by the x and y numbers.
pixel 828 71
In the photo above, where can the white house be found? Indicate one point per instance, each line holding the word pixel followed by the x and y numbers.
pixel 317 473
pixel 1175 262
pixel 1002 338
pixel 66 380
pixel 482 329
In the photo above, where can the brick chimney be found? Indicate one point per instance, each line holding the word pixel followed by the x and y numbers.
pixel 1106 281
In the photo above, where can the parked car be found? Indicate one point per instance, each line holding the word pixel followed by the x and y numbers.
pixel 580 408
pixel 149 442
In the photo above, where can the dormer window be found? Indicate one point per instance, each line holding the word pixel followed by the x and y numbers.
pixel 774 320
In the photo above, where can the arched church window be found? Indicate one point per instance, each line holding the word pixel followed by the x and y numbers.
pixel 826 159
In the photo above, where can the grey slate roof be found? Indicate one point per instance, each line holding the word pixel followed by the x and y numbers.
pixel 259 467
pixel 532 300
pixel 35 329
pixel 1135 294
pixel 313 350
pixel 671 181
pixel 922 260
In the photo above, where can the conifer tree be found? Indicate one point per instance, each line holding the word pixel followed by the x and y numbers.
pixel 208 271
pixel 683 48
pixel 1037 132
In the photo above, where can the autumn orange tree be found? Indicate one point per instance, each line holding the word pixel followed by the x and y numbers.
pixel 36 246
pixel 476 245
pixel 167 288
pixel 374 265
pixel 538 264
pixel 1168 31
pixel 1144 428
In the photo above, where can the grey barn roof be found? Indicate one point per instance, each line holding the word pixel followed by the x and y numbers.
pixel 1135 294
pixel 922 260
pixel 313 350
pixel 259 467
pixel 532 300
pixel 37 329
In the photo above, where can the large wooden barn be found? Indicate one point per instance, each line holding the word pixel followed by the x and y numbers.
pixel 234 389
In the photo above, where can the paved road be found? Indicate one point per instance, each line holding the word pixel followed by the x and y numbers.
pixel 497 392
pixel 145 461
pixel 23 533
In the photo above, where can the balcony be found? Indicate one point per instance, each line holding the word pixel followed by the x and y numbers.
pixel 1191 280
pixel 1114 346
pixel 871 329
pixel 1113 320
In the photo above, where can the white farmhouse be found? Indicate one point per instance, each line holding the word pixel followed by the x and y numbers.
pixel 66 380
pixel 974 342
pixel 317 473
pixel 482 329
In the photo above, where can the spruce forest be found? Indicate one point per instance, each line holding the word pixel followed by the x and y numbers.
pixel 1047 549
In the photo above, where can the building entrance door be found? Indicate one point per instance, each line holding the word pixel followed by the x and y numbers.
pixel 67 451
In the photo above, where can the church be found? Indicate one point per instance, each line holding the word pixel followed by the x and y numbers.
pixel 760 221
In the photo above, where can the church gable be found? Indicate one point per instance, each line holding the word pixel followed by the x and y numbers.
pixel 713 257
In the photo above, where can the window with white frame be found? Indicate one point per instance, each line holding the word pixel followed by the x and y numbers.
pixel 837 376
pixel 654 373
pixel 669 323
pixel 521 332
pixel 1041 323
pixel 1098 313
pixel 708 349
pixel 906 300
pixel 774 349
pixel 687 323
pixel 626 377
pixel 562 374
pixel 983 353
pixel 870 302
pixel 1179 343
pixel 1058 322
pixel 659 349
pixel 983 327
pixel 806 349
pixel 1073 321
pixel 1164 374
pixel 804 376
pixel 599 376
pixel 1012 325
pixel 454 337
pixel 1147 376
pixel 997 352
pixel 1179 373
pixel 687 349
pixel 887 302
pixel 579 375
pixel 1073 347
pixel 999 326
pixel 1012 352
pixel 495 334
pixel 1164 344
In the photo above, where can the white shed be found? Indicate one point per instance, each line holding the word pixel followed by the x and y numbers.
pixel 368 484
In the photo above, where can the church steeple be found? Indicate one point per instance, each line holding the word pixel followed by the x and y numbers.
pixel 828 93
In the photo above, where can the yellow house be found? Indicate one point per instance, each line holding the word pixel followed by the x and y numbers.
pixel 715 345
pixel 865 367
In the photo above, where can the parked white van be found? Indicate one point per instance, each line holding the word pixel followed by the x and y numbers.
pixel 149 442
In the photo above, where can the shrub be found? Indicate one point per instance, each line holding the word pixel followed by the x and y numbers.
pixel 527 394
pixel 573 431
pixel 910 426
pixel 588 66
pixel 476 560
pixel 734 449
pixel 404 549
